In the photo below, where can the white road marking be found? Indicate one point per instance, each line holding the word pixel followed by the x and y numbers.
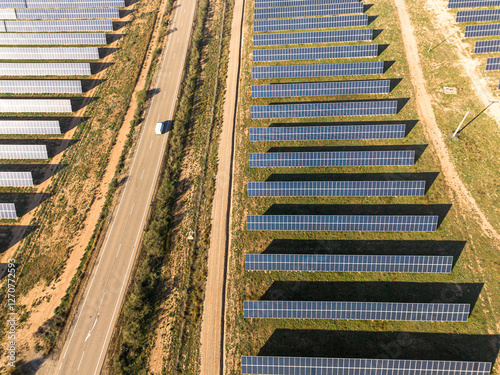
pixel 81 359
pixel 93 326
pixel 142 175
pixel 151 145
pixel 132 209
pixel 119 248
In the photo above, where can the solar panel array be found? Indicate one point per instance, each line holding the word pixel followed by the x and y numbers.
pixel 57 26
pixel 35 105
pixel 483 15
pixel 75 3
pixel 368 108
pixel 51 14
pixel 71 53
pixel 308 11
pixel 431 312
pixel 23 152
pixel 344 223
pixel 336 189
pixel 7 211
pixel 2 26
pixel 291 3
pixel 16 179
pixel 358 366
pixel 493 63
pixel 321 89
pixel 324 133
pixel 348 263
pixel 7 14
pixel 317 70
pixel 332 36
pixel 29 127
pixel 52 39
pixel 331 159
pixel 12 4
pixel 354 20
pixel 473 3
pixel 487 46
pixel 40 87
pixel 313 53
pixel 474 31
pixel 45 69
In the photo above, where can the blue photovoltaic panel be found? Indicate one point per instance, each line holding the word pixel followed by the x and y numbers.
pixel 430 312
pixel 358 366
pixel 338 223
pixel 318 70
pixel 75 3
pixel 50 14
pixel 483 15
pixel 316 53
pixel 289 90
pixel 349 263
pixel 62 26
pixel 493 63
pixel 308 11
pixel 310 37
pixel 19 39
pixel 382 107
pixel 473 3
pixel 355 20
pixel 7 211
pixel 336 189
pixel 12 4
pixel 487 46
pixel 474 31
pixel 291 3
pixel 324 133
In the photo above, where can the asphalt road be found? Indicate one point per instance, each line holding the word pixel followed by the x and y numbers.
pixel 90 333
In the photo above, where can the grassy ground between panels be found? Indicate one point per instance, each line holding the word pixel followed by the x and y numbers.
pixel 474 271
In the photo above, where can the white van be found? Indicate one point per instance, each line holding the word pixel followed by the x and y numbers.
pixel 160 127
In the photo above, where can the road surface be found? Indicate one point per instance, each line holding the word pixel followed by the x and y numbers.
pixel 90 333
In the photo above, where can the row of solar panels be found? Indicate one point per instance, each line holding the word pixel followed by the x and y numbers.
pixel 45 69
pixel 55 26
pixel 23 152
pixel 35 105
pixel 69 53
pixel 59 14
pixel 291 3
pixel 20 4
pixel 355 20
pixel 316 53
pixel 19 39
pixel 331 36
pixel 40 87
pixel 309 10
pixel 454 4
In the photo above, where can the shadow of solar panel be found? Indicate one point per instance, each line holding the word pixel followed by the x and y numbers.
pixel 321 89
pixel 18 39
pixel 40 87
pixel 7 211
pixel 323 133
pixel 332 36
pixel 44 69
pixel 35 105
pixel 473 3
pixel 474 31
pixel 318 70
pixel 62 26
pixel 29 127
pixel 382 107
pixel 357 366
pixel 430 312
pixel 75 3
pixel 316 53
pixel 23 152
pixel 70 53
pixel 487 46
pixel 483 15
pixel 291 3
pixel 16 179
pixel 336 189
pixel 308 11
pixel 50 14
pixel 355 20
pixel 348 263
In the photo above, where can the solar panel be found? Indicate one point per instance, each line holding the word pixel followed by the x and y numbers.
pixel 310 37
pixel 487 46
pixel 308 11
pixel 474 31
pixel 317 70
pixel 7 211
pixel 483 15
pixel 61 26
pixel 75 3
pixel 70 53
pixel 35 105
pixel 12 4
pixel 40 87
pixel 473 3
pixel 289 90
pixel 291 3
pixel 7 14
pixel 29 127
pixel 347 223
pixel 51 39
pixel 382 107
pixel 50 14
pixel 45 69
pixel 2 27
pixel 431 312
pixel 316 53
pixel 355 20
pixel 23 152
pixel 323 133
pixel 16 179
pixel 357 366
pixel 348 263
pixel 336 189
pixel 493 63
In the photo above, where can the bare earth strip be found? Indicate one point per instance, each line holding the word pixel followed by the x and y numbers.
pixel 430 126
pixel 212 329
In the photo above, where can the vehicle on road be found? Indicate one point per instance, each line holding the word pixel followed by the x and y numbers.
pixel 160 127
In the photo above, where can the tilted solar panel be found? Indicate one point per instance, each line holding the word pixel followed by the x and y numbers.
pixel 8 14
pixel 52 53
pixel 29 127
pixel 51 39
pixel 16 179
pixel 474 31
pixel 487 46
pixel 317 70
pixel 348 263
pixel 35 105
pixel 308 11
pixel 336 189
pixel 483 15
pixel 51 14
pixel 355 20
pixel 323 133
pixel 61 26
pixel 493 63
pixel 7 211
pixel 358 366
pixel 75 3
pixel 291 3
pixel 23 152
pixel 473 4
pixel 310 37
pixel 316 53
pixel 2 27
pixel 45 69
pixel 40 87
pixel 12 4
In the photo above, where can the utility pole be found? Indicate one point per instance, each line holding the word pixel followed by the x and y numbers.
pixel 460 125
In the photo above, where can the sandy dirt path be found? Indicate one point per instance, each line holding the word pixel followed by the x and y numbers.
pixel 430 126
pixel 212 328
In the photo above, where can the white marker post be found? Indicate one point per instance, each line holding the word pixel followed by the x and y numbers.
pixel 460 125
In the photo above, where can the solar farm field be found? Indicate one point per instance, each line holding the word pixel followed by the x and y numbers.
pixel 318 227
